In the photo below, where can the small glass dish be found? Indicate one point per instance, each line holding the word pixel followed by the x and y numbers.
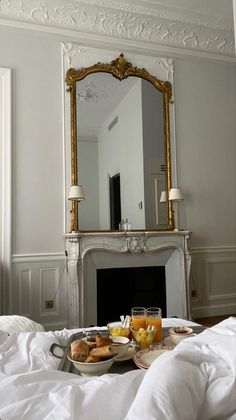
pixel 143 337
pixel 117 330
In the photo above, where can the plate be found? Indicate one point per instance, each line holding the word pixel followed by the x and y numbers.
pixel 169 342
pixel 144 358
pixel 127 356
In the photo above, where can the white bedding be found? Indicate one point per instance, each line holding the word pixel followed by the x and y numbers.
pixel 197 380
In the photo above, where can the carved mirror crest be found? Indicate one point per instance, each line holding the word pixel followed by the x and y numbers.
pixel 120 147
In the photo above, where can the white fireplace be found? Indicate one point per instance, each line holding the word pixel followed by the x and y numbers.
pixel 88 252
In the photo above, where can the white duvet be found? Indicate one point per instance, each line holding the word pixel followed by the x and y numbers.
pixel 197 380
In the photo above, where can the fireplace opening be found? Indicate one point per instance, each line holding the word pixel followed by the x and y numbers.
pixel 120 289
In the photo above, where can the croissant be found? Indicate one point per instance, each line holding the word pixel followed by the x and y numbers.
pixel 103 341
pixel 92 359
pixel 103 352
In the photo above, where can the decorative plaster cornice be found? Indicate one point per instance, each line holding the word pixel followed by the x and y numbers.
pixel 143 21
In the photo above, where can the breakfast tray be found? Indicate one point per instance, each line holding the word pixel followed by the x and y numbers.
pixel 118 367
pixel 67 366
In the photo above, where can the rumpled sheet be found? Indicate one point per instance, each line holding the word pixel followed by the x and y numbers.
pixel 197 380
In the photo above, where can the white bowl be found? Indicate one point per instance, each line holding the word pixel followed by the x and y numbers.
pixel 92 369
pixel 121 345
pixel 177 334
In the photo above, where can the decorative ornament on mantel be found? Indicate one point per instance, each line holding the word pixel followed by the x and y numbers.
pixel 134 244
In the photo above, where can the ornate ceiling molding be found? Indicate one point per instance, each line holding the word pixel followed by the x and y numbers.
pixel 140 21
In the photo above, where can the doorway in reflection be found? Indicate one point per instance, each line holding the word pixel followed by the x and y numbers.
pixel 115 203
pixel 120 289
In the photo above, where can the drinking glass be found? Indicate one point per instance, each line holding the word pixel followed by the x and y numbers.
pixel 153 318
pixel 138 317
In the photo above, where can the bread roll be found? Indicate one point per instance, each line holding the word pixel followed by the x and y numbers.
pixel 79 350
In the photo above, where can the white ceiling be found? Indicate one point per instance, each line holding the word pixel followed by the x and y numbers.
pixel 222 8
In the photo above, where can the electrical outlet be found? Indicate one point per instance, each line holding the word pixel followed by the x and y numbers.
pixel 49 304
pixel 194 293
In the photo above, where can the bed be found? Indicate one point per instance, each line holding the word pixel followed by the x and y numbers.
pixel 196 380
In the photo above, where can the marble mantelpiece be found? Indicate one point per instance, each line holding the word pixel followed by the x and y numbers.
pixel 169 248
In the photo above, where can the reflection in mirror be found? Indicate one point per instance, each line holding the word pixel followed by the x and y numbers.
pixel 120 118
pixel 121 153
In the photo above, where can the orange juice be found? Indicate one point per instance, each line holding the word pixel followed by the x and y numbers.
pixel 157 323
pixel 138 322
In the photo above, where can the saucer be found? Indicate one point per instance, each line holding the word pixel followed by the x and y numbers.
pixel 127 356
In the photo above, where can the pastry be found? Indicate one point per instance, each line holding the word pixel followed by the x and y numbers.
pixel 103 352
pixel 79 350
pixel 103 341
pixel 92 359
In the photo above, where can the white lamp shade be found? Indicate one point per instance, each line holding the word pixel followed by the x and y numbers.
pixel 163 197
pixel 176 194
pixel 76 193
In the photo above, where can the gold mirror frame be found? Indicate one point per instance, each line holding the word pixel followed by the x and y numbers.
pixel 120 69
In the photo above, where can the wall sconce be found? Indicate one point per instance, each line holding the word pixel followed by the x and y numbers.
pixel 176 195
pixel 163 197
pixel 76 194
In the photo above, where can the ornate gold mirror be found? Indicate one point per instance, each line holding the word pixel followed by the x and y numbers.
pixel 120 147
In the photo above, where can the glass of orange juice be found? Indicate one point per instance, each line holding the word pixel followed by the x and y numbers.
pixel 153 318
pixel 138 317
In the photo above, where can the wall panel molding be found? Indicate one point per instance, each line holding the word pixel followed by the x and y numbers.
pixel 25 287
pixel 213 249
pixel 213 277
pixel 39 257
pixel 35 279
pixel 5 187
pixel 49 279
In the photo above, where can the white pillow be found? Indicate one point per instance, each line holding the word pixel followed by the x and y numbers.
pixel 17 323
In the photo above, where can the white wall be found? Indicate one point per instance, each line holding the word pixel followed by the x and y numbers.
pixel 35 60
pixel 205 96
pixel 38 191
pixel 121 151
pixel 205 102
pixel 88 177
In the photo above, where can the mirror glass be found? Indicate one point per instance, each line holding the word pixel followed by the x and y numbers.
pixel 122 149
pixel 121 153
